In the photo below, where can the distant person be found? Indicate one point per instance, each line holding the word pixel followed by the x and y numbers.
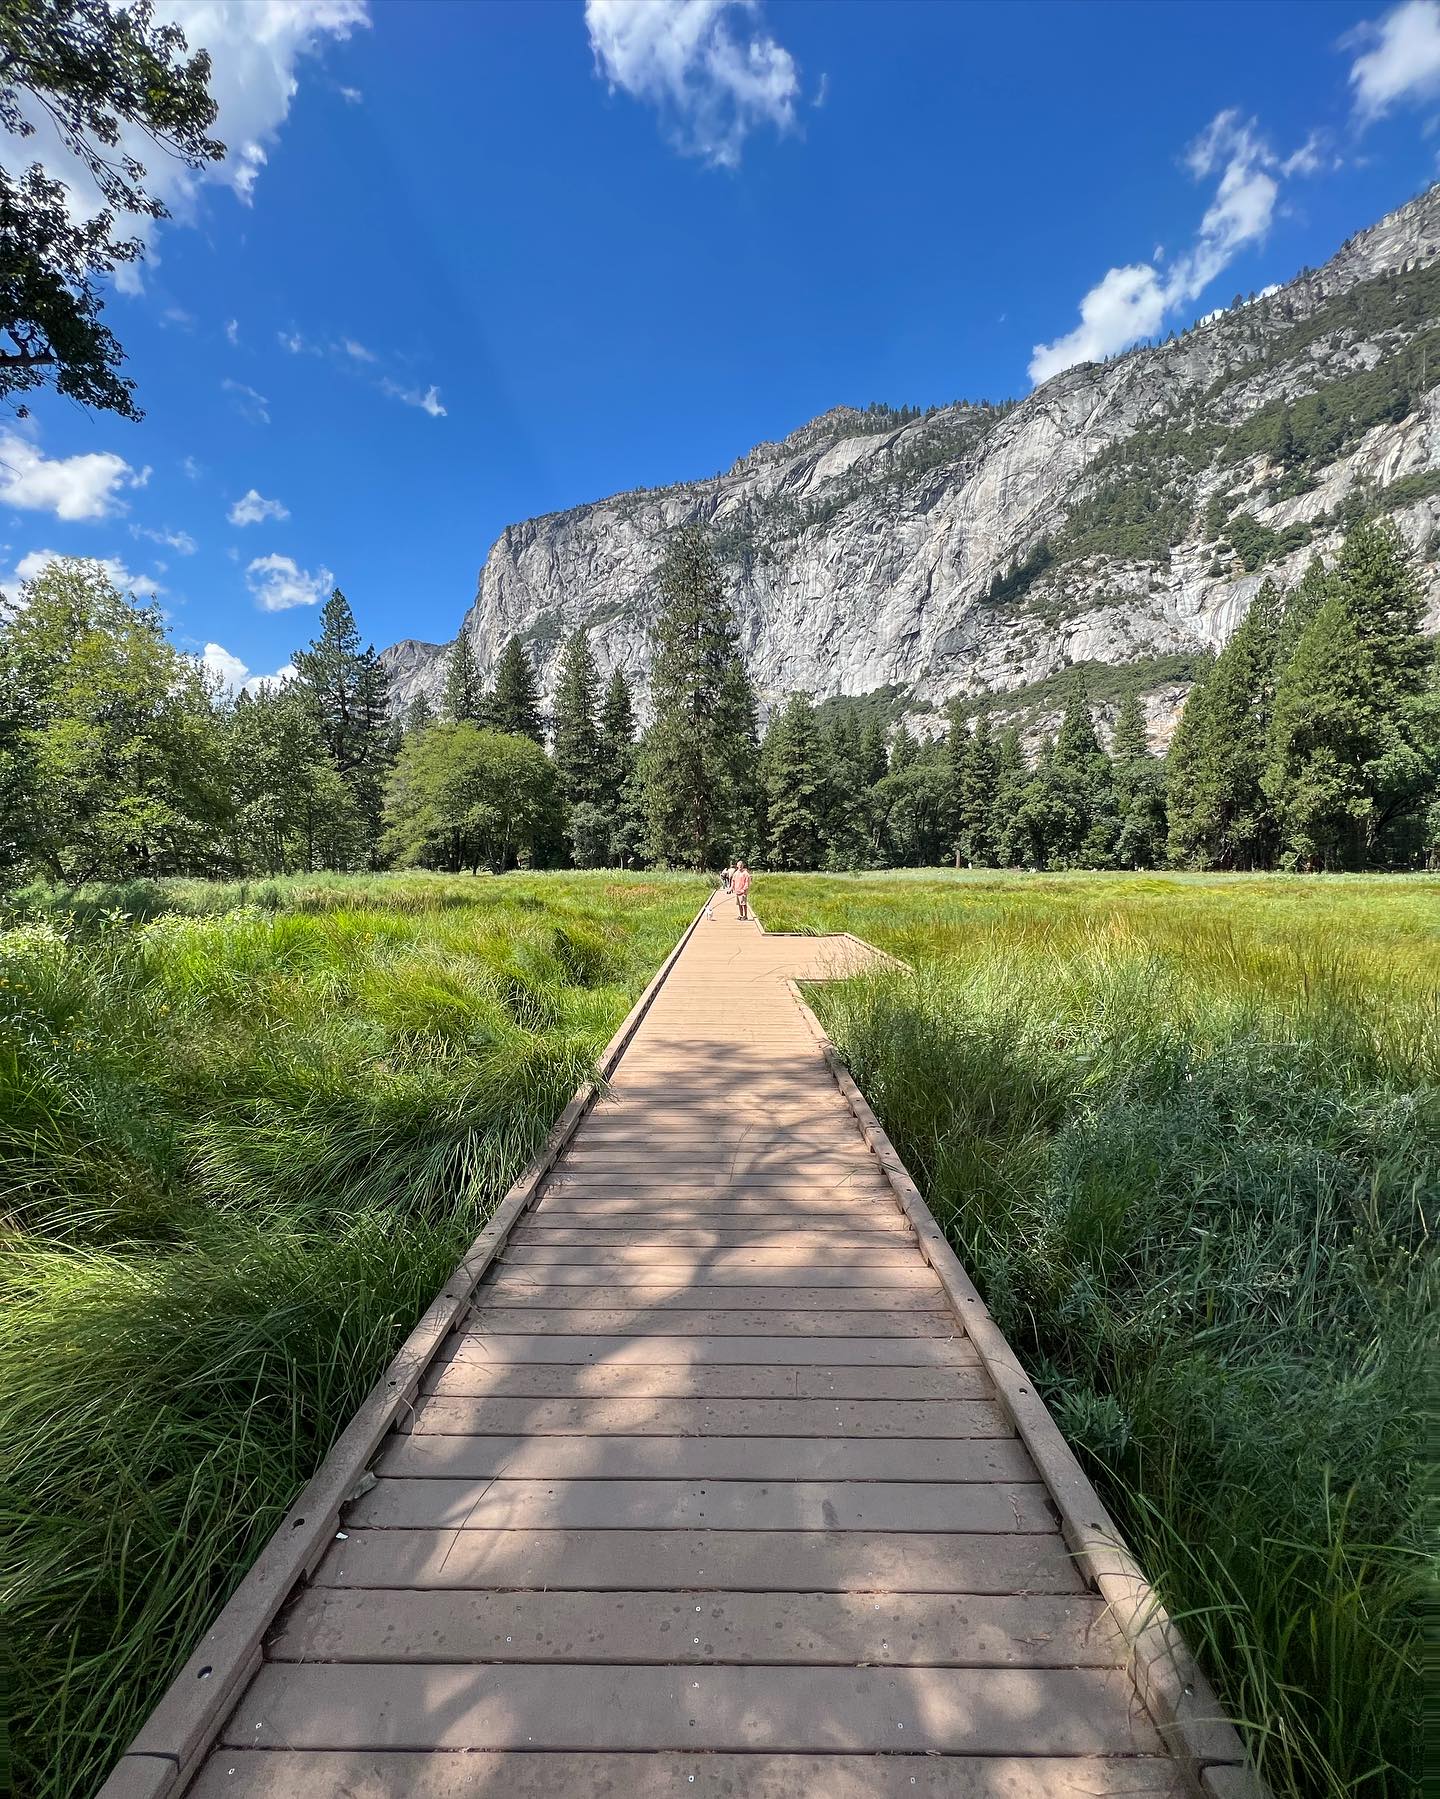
pixel 727 875
pixel 740 885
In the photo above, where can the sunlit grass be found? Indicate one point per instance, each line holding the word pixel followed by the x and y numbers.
pixel 1186 1135
pixel 245 1134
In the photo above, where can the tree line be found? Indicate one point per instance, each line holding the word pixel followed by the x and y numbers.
pixel 1312 742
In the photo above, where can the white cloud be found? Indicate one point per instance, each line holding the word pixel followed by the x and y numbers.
pixel 1129 303
pixel 709 68
pixel 35 562
pixel 253 509
pixel 190 468
pixel 232 333
pixel 351 95
pixel 358 351
pixel 428 401
pixel 1309 159
pixel 1403 61
pixel 278 583
pixel 291 341
pixel 249 404
pixel 257 48
pixel 72 487
pixel 181 542
pixel 234 674
pixel 229 670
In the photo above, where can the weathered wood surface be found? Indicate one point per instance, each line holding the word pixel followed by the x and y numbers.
pixel 709 1494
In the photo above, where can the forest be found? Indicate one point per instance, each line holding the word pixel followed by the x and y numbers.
pixel 1311 743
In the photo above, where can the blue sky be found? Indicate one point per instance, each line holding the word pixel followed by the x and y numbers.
pixel 473 262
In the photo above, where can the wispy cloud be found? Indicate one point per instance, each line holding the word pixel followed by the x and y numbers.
pixel 1134 301
pixel 1400 60
pixel 71 487
pixel 708 67
pixel 232 333
pixel 249 404
pixel 278 583
pixel 356 351
pixel 253 508
pixel 291 341
pixel 427 400
pixel 181 542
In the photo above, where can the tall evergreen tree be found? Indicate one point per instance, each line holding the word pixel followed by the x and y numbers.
pixel 1139 790
pixel 737 736
pixel 619 782
pixel 903 748
pixel 695 751
pixel 1076 795
pixel 974 773
pixel 797 776
pixel 419 715
pixel 576 746
pixel 874 756
pixel 513 705
pixel 1219 814
pixel 345 688
pixel 464 699
pixel 850 816
pixel 1354 749
pixel 1011 778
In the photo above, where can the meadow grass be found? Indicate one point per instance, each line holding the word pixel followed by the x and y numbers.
pixel 246 1131
pixel 1186 1135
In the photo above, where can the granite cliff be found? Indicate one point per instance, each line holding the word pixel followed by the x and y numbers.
pixel 1123 514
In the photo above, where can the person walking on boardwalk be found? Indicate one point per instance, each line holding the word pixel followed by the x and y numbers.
pixel 740 882
pixel 727 875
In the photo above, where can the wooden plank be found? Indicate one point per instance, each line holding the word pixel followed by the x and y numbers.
pixel 522 1380
pixel 555 1457
pixel 635 1321
pixel 367 1774
pixel 514 1291
pixel 702 1561
pixel 878 1419
pixel 1045 1711
pixel 934 1630
pixel 705 1236
pixel 710 1504
pixel 791 1255
pixel 589 1273
pixel 518 1345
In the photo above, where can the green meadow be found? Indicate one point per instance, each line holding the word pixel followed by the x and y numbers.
pixel 246 1131
pixel 1185 1132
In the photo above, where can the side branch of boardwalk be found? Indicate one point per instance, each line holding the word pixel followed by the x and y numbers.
pixel 710 1492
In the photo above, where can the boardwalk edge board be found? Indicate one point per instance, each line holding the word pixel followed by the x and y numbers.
pixel 187 1720
pixel 1170 1684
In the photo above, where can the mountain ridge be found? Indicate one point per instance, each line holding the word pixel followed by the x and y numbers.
pixel 980 550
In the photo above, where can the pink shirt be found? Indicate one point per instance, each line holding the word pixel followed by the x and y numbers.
pixel 741 881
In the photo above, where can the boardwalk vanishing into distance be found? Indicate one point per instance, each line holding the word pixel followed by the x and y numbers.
pixel 709 1492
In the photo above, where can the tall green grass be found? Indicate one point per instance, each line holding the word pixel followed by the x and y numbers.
pixel 1186 1136
pixel 245 1134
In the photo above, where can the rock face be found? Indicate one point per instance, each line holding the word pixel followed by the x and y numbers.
pixel 1124 514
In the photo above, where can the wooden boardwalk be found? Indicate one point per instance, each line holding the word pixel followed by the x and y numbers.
pixel 710 1493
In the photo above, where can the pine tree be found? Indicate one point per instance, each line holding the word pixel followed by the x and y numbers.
pixel 1076 795
pixel 903 748
pixel 619 785
pixel 464 699
pixel 1139 790
pixel 974 773
pixel 1220 816
pixel 1011 779
pixel 577 737
pixel 513 705
pixel 419 715
pixel 695 753
pixel 345 688
pixel 850 815
pixel 797 786
pixel 741 818
pixel 1354 749
pixel 874 757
